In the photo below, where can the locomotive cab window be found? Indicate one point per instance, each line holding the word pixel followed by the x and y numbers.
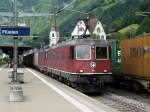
pixel 46 54
pixel 72 53
pixel 101 53
pixel 83 52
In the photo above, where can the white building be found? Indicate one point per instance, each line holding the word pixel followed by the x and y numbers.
pixel 53 35
pixel 79 30
pixel 92 26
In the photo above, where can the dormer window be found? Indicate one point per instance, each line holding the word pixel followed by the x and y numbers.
pixel 81 29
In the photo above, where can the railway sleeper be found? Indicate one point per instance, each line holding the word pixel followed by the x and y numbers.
pixel 134 85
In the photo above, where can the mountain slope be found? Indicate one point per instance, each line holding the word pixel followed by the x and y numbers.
pixel 114 14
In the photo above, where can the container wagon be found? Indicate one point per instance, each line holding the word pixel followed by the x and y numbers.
pixel 30 58
pixel 116 58
pixel 135 61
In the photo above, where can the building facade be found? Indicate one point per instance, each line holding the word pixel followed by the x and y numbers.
pixel 54 34
pixel 89 27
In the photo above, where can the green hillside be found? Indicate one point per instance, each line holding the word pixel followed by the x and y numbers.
pixel 129 30
pixel 114 14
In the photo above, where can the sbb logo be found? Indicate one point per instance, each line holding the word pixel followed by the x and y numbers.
pixel 93 65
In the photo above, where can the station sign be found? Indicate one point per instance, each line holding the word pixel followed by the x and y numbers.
pixel 14 31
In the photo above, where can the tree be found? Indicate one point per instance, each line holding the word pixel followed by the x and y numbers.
pixel 95 37
pixel 145 5
pixel 144 26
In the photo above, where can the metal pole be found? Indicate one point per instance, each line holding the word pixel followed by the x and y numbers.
pixel 78 30
pixel 15 12
pixel 15 43
pixel 15 54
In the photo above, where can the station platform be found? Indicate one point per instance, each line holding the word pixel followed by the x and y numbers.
pixel 43 94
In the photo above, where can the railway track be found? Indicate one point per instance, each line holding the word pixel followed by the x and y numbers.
pixel 124 101
pixel 123 104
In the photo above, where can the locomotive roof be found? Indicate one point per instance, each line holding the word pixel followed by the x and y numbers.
pixel 83 42
pixel 73 43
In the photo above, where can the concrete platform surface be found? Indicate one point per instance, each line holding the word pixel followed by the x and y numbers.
pixel 43 94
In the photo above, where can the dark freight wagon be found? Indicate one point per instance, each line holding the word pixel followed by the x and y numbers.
pixel 116 57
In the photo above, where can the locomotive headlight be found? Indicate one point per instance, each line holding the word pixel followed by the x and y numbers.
pixel 105 71
pixel 81 71
pixel 93 47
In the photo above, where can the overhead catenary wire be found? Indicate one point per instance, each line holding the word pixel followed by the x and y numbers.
pixel 65 7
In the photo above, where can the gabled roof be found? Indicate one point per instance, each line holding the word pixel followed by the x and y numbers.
pixel 54 27
pixel 92 24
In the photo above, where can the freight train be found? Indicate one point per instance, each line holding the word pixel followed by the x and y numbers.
pixel 131 62
pixel 83 64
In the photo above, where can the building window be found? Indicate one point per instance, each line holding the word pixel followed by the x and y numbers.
pixel 52 34
pixel 98 30
pixel 81 29
pixel 80 22
pixel 102 37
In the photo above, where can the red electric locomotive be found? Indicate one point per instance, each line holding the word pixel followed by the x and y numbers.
pixel 82 63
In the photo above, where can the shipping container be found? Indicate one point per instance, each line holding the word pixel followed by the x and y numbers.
pixel 135 59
